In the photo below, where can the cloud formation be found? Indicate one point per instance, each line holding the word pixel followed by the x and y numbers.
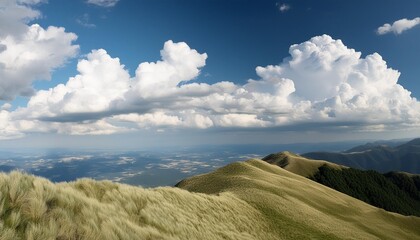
pixel 322 82
pixel 84 21
pixel 398 26
pixel 103 3
pixel 8 130
pixel 15 14
pixel 283 7
pixel 29 52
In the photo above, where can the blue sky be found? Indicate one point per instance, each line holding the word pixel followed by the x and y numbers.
pixel 238 35
pixel 224 42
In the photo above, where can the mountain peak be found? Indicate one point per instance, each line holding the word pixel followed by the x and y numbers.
pixel 298 164
pixel 280 159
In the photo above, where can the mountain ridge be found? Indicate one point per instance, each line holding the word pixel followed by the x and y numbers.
pixel 383 158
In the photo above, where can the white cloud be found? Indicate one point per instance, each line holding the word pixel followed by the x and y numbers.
pixel 12 126
pixel 84 21
pixel 189 119
pixel 240 120
pixel 29 52
pixel 398 26
pixel 179 64
pixel 343 87
pixel 6 106
pixel 103 3
pixel 322 83
pixel 15 14
pixel 75 158
pixel 102 79
pixel 150 119
pixel 283 7
pixel 8 130
pixel 100 127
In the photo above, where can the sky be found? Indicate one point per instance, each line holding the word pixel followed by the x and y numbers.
pixel 150 73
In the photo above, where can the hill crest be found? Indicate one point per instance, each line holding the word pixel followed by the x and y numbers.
pixel 298 164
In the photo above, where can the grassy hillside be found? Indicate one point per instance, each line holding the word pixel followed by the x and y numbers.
pixel 395 192
pixel 34 208
pixel 244 200
pixel 298 208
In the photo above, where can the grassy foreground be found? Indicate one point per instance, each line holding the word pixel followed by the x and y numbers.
pixel 244 200
pixel 34 208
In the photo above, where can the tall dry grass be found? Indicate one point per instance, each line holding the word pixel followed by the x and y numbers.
pixel 34 208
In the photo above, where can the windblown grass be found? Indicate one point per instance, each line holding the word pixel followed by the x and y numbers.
pixel 35 208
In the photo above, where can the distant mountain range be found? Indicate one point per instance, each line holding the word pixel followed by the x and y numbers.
pixel 394 191
pixel 380 156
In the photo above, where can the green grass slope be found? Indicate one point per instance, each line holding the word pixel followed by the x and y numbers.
pixel 298 208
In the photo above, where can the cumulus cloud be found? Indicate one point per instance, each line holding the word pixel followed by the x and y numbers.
pixel 398 26
pixel 14 16
pixel 29 52
pixel 334 84
pixel 162 119
pixel 101 80
pixel 103 3
pixel 283 7
pixel 322 82
pixel 8 130
pixel 12 126
pixel 179 64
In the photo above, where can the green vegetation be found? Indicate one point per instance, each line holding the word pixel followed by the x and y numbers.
pixel 409 183
pixel 397 195
pixel 244 200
